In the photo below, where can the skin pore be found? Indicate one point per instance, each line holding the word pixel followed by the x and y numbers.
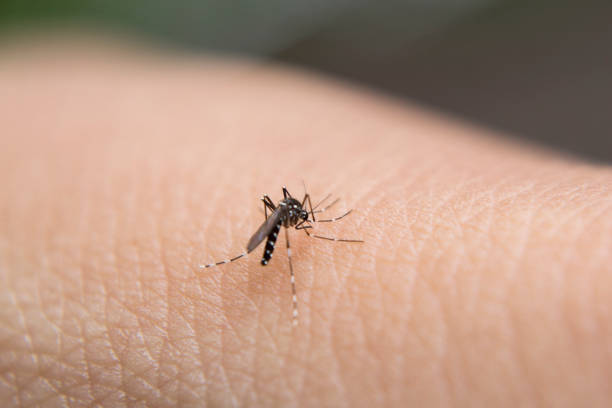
pixel 484 278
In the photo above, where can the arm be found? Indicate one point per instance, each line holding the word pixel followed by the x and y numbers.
pixel 484 279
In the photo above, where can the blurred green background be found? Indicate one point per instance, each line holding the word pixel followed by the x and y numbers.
pixel 539 69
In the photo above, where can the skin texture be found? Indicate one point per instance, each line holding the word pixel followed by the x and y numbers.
pixel 484 279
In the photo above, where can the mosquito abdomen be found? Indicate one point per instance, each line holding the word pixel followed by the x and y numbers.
pixel 270 244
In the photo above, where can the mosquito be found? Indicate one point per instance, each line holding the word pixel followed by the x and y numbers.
pixel 288 213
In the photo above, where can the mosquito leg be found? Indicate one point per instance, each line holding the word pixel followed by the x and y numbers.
pixel 267 204
pixel 286 193
pixel 271 205
pixel 202 266
pixel 336 218
pixel 293 292
pixel 301 226
pixel 311 210
pixel 265 207
pixel 322 201
pixel 326 207
pixel 306 196
pixel 330 238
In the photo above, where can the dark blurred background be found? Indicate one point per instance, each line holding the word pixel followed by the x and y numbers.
pixel 539 69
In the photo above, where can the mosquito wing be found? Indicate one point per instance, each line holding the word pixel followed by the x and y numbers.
pixel 264 230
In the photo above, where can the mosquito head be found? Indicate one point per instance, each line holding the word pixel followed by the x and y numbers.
pixel 304 215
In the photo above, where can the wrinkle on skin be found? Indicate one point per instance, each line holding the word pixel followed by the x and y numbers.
pixel 484 278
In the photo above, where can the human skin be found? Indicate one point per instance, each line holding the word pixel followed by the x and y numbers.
pixel 484 278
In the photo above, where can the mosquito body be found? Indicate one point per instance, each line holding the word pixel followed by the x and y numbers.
pixel 289 213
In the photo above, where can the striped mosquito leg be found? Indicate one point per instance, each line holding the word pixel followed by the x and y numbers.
pixel 331 238
pixel 224 262
pixel 293 291
pixel 328 206
pixel 267 204
pixel 336 218
pixel 322 201
pixel 314 209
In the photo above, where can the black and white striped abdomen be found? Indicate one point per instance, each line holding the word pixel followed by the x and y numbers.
pixel 271 241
